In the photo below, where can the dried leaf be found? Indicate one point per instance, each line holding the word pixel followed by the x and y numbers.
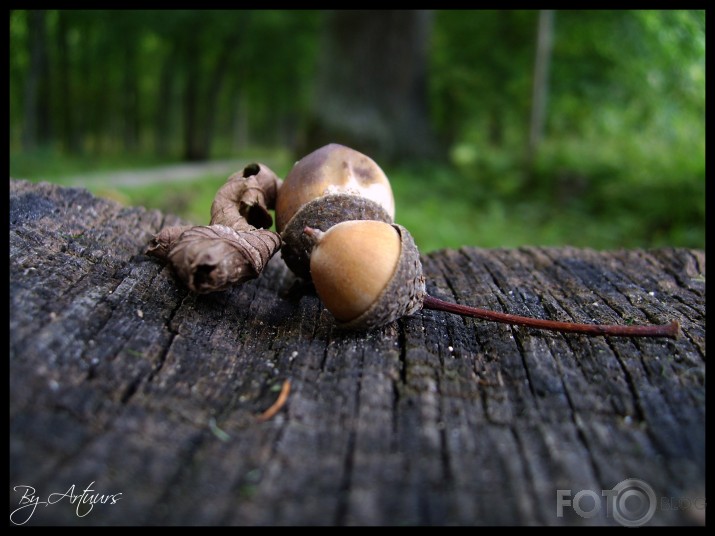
pixel 162 243
pixel 235 246
pixel 268 181
pixel 245 198
pixel 212 258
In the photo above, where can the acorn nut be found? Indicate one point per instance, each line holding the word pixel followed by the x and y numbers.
pixel 330 185
pixel 367 273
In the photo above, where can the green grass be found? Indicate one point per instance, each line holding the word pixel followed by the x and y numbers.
pixel 606 197
pixel 190 200
pixel 50 165
pixel 620 193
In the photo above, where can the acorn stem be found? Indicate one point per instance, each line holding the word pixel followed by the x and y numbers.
pixel 671 330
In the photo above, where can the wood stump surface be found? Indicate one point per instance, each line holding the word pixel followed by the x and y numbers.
pixel 123 382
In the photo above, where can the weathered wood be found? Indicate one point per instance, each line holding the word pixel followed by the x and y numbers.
pixel 121 377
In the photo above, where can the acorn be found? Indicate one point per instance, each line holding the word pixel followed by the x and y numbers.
pixel 369 273
pixel 332 184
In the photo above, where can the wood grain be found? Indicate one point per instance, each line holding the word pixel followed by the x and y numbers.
pixel 121 377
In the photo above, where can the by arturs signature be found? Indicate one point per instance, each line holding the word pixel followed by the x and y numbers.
pixel 84 501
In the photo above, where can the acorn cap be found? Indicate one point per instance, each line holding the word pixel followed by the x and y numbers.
pixel 367 273
pixel 323 213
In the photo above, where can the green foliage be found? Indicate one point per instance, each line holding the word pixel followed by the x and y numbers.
pixel 619 193
pixel 481 71
pixel 621 164
pixel 623 160
pixel 615 197
pixel 127 80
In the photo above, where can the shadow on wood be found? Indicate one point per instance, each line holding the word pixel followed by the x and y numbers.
pixel 122 379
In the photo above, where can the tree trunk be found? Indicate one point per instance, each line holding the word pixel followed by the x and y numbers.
pixel 163 117
pixel 203 89
pixel 241 138
pixel 541 82
pixel 65 112
pixel 192 150
pixel 130 97
pixel 36 113
pixel 213 92
pixel 124 382
pixel 371 90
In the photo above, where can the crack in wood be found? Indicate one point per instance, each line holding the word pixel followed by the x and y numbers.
pixel 433 419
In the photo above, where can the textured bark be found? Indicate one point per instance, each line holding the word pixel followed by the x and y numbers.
pixel 121 377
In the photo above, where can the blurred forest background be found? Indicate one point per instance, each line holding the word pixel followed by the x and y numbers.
pixel 496 128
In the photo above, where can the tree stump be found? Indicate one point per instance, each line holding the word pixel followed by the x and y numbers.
pixel 135 402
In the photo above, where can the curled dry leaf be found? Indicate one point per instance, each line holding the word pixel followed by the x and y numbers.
pixel 162 243
pixel 212 258
pixel 235 246
pixel 245 198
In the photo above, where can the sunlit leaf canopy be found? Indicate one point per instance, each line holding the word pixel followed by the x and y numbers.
pixel 443 100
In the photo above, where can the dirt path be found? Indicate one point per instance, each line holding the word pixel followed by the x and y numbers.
pixel 183 172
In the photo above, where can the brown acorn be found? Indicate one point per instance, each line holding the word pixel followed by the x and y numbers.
pixel 332 184
pixel 369 273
